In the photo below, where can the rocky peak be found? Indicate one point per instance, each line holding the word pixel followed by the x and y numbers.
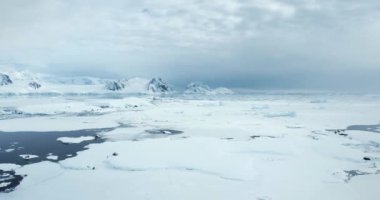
pixel 158 85
pixel 115 85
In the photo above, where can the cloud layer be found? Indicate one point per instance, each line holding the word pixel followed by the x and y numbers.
pixel 242 43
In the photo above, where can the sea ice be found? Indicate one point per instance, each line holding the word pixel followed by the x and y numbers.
pixel 281 114
pixel 75 140
pixel 259 146
pixel 28 156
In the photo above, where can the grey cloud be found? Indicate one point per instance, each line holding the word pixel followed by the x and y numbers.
pixel 242 43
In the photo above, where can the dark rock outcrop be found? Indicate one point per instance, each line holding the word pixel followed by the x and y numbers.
pixel 34 85
pixel 5 80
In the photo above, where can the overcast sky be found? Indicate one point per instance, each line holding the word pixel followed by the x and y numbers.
pixel 246 43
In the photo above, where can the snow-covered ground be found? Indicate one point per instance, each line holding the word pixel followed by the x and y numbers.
pixel 254 146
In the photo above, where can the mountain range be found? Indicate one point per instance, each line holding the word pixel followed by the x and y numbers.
pixel 26 82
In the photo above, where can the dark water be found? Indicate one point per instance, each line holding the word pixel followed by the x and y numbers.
pixel 164 132
pixel 10 180
pixel 369 128
pixel 43 144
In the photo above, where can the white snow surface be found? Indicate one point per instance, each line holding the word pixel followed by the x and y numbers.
pixel 236 147
pixel 75 140
pixel 8 167
pixel 5 184
pixel 52 157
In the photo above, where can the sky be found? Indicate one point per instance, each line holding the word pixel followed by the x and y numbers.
pixel 237 43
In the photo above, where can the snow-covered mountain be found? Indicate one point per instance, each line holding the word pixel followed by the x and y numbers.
pixel 74 80
pixel 158 85
pixel 197 88
pixel 25 82
pixel 138 85
pixel 201 88
pixel 12 81
pixel 222 91
pixel 114 85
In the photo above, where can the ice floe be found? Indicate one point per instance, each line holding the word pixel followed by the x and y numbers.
pixel 75 140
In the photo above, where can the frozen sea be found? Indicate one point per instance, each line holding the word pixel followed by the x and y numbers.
pixel 260 146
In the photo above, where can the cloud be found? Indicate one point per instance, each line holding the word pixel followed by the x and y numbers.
pixel 276 42
pixel 277 7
